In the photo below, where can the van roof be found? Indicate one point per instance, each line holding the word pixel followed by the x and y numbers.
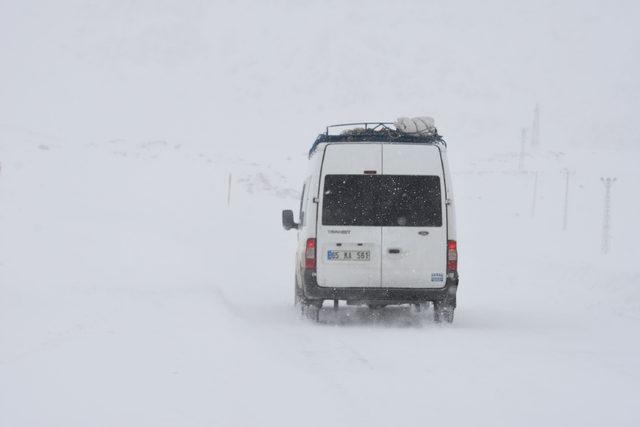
pixel 376 132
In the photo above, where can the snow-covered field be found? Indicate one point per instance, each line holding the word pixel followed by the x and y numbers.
pixel 133 294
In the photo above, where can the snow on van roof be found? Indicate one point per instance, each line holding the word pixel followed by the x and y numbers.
pixel 418 130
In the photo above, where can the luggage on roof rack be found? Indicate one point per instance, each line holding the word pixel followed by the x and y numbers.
pixel 419 130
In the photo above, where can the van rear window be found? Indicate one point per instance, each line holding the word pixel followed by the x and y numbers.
pixel 382 200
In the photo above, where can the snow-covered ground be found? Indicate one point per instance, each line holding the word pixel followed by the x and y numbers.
pixel 133 294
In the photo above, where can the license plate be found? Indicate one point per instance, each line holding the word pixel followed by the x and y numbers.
pixel 348 255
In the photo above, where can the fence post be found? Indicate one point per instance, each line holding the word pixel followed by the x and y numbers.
pixel 606 219
pixel 535 128
pixel 535 194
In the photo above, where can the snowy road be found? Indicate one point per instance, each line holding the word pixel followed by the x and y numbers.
pixel 130 294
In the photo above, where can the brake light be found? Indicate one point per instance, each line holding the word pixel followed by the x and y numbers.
pixel 310 255
pixel 452 257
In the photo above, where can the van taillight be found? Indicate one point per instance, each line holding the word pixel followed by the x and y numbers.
pixel 452 258
pixel 310 255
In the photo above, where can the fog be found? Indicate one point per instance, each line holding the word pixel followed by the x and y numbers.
pixel 147 149
pixel 186 70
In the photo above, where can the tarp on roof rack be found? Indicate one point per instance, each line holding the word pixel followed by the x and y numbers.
pixel 417 125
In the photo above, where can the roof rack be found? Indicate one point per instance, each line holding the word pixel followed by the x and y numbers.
pixel 375 132
pixel 367 126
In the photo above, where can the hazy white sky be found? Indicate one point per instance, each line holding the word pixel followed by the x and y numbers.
pixel 182 70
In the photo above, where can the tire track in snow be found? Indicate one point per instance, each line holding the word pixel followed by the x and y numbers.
pixel 57 340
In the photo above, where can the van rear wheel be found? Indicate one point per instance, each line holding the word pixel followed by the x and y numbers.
pixel 443 311
pixel 311 309
pixel 308 308
pixel 297 293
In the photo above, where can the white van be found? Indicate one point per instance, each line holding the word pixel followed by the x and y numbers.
pixel 376 223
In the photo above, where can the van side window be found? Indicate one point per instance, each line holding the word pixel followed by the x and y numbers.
pixel 305 203
pixel 302 196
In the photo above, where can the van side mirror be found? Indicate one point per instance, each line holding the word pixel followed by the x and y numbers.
pixel 287 220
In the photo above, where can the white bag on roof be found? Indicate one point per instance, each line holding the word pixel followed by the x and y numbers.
pixel 416 125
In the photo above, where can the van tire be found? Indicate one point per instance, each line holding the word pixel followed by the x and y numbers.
pixel 308 308
pixel 297 293
pixel 311 310
pixel 443 312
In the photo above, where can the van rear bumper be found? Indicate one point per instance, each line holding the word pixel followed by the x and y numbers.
pixel 379 295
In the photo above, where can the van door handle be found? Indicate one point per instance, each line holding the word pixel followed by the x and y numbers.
pixel 394 250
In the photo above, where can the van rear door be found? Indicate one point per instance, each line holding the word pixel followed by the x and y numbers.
pixel 348 236
pixel 414 229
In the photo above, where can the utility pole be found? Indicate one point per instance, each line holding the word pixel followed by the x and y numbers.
pixel 535 194
pixel 566 199
pixel 523 141
pixel 535 128
pixel 606 220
